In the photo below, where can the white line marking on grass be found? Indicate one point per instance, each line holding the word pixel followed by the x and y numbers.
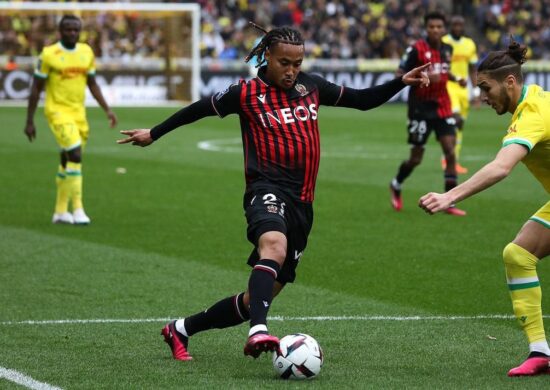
pixel 25 380
pixel 234 145
pixel 274 318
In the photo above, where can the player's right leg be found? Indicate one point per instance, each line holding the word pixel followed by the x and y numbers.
pixel 446 136
pixel 272 248
pixel 520 259
pixel 405 169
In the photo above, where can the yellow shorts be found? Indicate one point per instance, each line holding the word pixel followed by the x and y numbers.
pixel 460 99
pixel 542 216
pixel 70 131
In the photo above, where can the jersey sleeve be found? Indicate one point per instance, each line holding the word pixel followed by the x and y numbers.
pixel 42 68
pixel 409 59
pixel 473 58
pixel 527 130
pixel 227 101
pixel 329 93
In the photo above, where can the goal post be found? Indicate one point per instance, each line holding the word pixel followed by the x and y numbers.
pixel 162 57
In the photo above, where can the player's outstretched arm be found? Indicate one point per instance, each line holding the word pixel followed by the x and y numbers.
pixel 490 174
pixel 417 77
pixel 368 98
pixel 138 137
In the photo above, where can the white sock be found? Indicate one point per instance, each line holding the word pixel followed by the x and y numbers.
pixel 257 328
pixel 395 184
pixel 540 346
pixel 180 327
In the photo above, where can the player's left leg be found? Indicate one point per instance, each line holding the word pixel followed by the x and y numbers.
pixel 61 213
pixel 68 138
pixel 74 174
pixel 521 258
pixel 447 144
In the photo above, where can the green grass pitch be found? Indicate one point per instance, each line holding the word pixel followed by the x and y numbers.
pixel 168 239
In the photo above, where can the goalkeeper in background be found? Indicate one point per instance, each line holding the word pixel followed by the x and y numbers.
pixel 65 68
pixel 463 64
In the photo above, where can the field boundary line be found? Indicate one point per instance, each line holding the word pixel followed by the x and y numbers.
pixel 25 380
pixel 234 145
pixel 274 318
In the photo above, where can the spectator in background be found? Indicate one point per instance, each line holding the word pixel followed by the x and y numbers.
pixel 11 64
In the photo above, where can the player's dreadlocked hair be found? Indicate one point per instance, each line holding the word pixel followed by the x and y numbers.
pixel 499 64
pixel 277 35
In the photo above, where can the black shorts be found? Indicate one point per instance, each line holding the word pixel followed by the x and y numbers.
pixel 267 209
pixel 420 128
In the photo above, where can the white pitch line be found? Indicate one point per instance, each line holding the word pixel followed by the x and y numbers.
pixel 25 380
pixel 234 145
pixel 274 318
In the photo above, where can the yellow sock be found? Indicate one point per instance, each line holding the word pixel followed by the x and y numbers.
pixel 458 146
pixel 525 291
pixel 74 183
pixel 62 198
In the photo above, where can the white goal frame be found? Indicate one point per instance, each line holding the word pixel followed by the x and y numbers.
pixel 192 8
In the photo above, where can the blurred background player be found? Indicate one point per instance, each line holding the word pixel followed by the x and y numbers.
pixel 429 109
pixel 528 140
pixel 463 64
pixel 65 68
pixel 278 113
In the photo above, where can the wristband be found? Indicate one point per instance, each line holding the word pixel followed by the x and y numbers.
pixel 476 92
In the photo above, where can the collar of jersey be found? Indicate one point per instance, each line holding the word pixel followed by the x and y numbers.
pixel 65 49
pixel 523 93
pixel 455 40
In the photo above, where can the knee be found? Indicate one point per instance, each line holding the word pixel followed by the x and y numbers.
pixel 515 256
pixel 508 255
pixel 273 246
pixel 74 155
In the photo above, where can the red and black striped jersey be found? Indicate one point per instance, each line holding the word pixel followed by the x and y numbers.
pixel 432 101
pixel 280 129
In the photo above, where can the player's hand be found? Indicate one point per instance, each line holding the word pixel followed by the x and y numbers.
pixel 30 131
pixel 418 76
pixel 138 137
pixel 433 202
pixel 113 120
pixel 462 82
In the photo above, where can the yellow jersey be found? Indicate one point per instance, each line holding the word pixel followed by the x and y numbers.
pixel 464 54
pixel 530 127
pixel 66 72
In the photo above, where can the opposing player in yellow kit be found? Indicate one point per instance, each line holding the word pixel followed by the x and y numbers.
pixel 65 68
pixel 463 64
pixel 528 140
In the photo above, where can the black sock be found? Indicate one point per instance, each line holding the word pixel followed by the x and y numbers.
pixel 536 354
pixel 404 171
pixel 223 314
pixel 450 182
pixel 260 288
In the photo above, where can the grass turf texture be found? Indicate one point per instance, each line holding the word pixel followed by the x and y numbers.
pixel 168 239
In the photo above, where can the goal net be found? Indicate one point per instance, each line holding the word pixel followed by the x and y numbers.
pixel 145 52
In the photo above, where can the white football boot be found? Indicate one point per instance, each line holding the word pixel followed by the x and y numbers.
pixel 80 217
pixel 65 217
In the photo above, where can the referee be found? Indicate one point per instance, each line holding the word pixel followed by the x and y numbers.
pixel 278 113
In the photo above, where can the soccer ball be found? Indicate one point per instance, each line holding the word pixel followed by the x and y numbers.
pixel 299 357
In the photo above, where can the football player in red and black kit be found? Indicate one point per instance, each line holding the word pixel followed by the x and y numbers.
pixel 278 113
pixel 429 108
